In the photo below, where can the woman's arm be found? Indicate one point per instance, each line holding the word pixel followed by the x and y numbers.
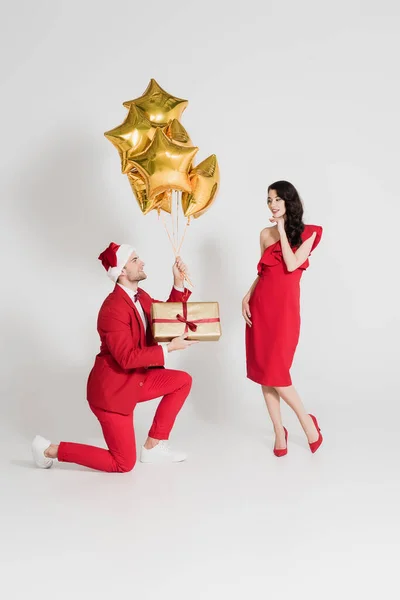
pixel 245 302
pixel 251 290
pixel 294 260
pixel 263 242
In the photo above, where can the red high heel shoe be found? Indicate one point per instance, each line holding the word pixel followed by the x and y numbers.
pixel 315 445
pixel 282 451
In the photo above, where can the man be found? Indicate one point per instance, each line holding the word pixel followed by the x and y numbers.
pixel 128 369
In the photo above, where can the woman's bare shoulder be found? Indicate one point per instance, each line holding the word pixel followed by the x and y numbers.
pixel 266 231
pixel 269 233
pixel 268 236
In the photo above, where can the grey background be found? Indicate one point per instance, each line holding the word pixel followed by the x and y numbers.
pixel 301 91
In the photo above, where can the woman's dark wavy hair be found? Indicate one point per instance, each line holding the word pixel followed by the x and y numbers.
pixel 294 225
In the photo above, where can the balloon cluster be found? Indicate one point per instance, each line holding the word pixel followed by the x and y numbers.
pixel 157 155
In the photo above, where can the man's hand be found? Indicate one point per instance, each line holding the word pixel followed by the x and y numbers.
pixel 179 271
pixel 180 343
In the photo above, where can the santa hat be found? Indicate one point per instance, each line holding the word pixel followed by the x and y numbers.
pixel 114 258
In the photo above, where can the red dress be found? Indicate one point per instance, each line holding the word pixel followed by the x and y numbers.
pixel 275 314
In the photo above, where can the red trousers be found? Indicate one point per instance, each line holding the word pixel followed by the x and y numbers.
pixel 118 430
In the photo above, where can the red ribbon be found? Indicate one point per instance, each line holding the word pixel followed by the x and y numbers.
pixel 192 325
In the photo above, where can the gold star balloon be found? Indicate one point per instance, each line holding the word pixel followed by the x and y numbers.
pixel 204 179
pixel 139 188
pixel 132 136
pixel 164 202
pixel 164 165
pixel 177 133
pixel 160 107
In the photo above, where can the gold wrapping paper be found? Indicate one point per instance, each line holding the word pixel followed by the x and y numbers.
pixel 166 325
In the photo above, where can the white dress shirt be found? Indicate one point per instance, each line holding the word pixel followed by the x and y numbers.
pixel 141 312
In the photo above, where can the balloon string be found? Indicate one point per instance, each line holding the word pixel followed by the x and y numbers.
pixel 168 233
pixel 183 237
pixel 177 217
pixel 173 241
pixel 179 197
pixel 174 247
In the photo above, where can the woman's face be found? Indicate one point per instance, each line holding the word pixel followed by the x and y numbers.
pixel 276 204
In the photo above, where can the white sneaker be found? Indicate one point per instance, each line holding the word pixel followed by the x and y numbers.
pixel 39 445
pixel 161 454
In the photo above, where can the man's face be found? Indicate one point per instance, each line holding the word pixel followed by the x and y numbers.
pixel 133 270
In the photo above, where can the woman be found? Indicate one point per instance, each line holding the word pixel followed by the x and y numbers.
pixel 271 309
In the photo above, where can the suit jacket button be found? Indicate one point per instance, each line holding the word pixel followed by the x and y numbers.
pixel 141 383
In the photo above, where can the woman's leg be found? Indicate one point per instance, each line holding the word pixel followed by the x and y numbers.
pixel 292 399
pixel 273 403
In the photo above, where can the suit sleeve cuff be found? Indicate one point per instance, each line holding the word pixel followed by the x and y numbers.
pixel 165 351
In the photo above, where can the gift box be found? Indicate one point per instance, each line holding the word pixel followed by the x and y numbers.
pixel 200 320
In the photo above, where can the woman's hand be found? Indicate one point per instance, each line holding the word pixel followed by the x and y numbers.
pixel 246 309
pixel 280 221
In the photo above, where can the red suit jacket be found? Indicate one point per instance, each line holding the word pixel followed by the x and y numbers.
pixel 126 351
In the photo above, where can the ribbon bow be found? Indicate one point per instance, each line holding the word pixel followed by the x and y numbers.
pixel 189 324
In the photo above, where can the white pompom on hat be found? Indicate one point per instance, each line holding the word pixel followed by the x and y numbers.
pixel 114 258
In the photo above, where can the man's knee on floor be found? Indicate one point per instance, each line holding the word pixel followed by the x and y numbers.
pixel 126 465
